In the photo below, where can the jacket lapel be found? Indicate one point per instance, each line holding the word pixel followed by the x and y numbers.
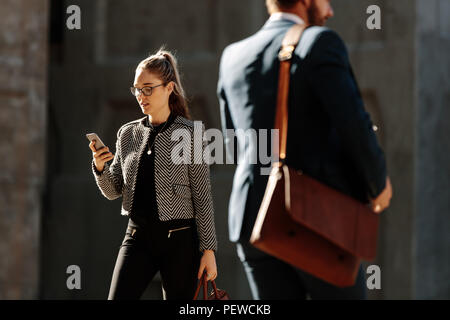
pixel 140 140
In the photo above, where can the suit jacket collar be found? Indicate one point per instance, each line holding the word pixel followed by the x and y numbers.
pixel 277 24
pixel 286 16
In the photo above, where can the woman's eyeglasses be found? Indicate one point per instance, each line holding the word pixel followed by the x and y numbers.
pixel 146 91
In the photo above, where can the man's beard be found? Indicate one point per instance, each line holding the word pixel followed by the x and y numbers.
pixel 314 15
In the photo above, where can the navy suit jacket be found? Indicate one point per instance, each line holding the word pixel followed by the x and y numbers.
pixel 330 135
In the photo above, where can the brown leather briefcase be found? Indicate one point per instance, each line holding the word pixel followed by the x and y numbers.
pixel 303 221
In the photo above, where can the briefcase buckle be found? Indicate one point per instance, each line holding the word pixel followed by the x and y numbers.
pixel 286 53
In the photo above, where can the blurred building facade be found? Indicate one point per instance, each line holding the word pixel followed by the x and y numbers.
pixel 57 84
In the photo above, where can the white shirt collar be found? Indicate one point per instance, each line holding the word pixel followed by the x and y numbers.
pixel 286 16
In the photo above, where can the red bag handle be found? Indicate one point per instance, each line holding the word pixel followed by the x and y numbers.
pixel 203 282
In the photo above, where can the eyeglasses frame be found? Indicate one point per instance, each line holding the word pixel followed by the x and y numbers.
pixel 132 89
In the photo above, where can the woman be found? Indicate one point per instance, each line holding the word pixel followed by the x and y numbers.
pixel 171 221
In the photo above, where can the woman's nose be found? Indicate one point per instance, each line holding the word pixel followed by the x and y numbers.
pixel 140 97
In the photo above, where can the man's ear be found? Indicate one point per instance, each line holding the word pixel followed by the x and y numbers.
pixel 306 3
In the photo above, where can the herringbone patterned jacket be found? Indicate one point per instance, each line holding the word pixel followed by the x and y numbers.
pixel 183 190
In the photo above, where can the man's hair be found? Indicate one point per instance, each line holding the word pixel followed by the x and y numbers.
pixel 281 4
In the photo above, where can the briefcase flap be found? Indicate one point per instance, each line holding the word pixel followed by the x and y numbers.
pixel 348 223
pixel 276 233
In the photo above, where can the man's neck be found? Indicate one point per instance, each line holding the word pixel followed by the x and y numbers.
pixel 299 10
pixel 280 15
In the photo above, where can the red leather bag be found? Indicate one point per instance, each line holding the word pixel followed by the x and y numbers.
pixel 216 294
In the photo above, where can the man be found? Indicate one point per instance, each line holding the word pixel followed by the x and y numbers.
pixel 330 136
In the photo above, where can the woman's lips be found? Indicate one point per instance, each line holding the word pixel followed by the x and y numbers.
pixel 144 105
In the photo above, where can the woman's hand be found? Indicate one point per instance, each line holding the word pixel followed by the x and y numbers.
pixel 208 263
pixel 101 156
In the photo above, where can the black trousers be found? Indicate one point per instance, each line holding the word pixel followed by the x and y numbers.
pixel 271 278
pixel 147 249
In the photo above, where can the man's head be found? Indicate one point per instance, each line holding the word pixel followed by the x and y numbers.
pixel 314 12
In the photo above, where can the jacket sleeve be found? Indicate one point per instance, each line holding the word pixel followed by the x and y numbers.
pixel 226 121
pixel 332 80
pixel 201 194
pixel 110 180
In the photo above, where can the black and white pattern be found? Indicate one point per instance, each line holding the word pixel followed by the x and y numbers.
pixel 183 190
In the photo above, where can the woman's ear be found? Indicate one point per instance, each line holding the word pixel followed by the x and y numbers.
pixel 170 86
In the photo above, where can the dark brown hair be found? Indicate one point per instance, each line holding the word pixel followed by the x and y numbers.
pixel 164 64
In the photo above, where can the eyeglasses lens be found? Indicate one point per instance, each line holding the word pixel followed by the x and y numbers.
pixel 147 91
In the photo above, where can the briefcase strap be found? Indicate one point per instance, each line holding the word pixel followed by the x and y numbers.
pixel 288 46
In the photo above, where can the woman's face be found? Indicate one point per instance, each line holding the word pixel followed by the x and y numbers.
pixel 158 101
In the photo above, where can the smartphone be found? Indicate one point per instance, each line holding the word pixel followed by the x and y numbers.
pixel 98 142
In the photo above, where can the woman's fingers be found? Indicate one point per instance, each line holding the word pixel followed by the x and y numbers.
pixel 211 272
pixel 208 263
pixel 101 156
pixel 108 156
pixel 92 145
pixel 211 276
pixel 100 151
pixel 200 270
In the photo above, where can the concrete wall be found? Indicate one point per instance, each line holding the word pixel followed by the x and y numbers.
pixel 23 99
pixel 403 72
pixel 383 62
pixel 431 263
